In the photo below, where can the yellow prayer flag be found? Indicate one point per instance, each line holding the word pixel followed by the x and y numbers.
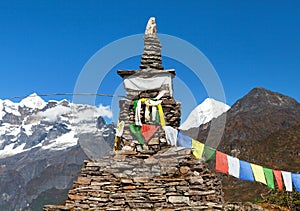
pixel 258 173
pixel 117 143
pixel 161 115
pixel 197 148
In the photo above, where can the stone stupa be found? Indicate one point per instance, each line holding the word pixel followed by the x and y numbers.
pixel 149 175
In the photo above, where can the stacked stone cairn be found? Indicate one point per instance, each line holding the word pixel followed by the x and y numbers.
pixel 151 65
pixel 155 176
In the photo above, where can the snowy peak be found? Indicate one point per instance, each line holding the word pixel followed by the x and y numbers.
pixel 204 113
pixel 33 101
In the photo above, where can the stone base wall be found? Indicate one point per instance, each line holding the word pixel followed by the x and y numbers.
pixel 169 180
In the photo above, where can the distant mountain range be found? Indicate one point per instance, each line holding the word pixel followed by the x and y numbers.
pixel 43 144
pixel 42 148
pixel 263 127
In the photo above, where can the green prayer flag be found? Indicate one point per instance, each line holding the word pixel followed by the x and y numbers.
pixel 209 153
pixel 136 131
pixel 157 117
pixel 135 104
pixel 269 177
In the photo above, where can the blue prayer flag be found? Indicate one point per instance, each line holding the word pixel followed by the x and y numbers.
pixel 246 171
pixel 184 141
pixel 296 181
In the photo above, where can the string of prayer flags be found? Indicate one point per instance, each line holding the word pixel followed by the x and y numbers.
pixel 224 163
pixel 197 148
pixel 269 177
pixel 278 178
pixel 287 179
pixel 221 162
pixel 246 171
pixel 296 181
pixel 209 153
pixel 258 173
pixel 171 135
pixel 148 131
pixel 136 131
pixel 183 140
pixel 233 166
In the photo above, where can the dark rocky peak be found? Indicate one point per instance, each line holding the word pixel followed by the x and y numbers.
pixel 64 102
pixel 258 99
pixel 260 113
pixel 12 119
pixel 57 130
pixel 100 122
pixel 50 104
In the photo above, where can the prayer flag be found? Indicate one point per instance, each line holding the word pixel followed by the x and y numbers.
pixel 221 162
pixel 148 131
pixel 269 177
pixel 154 82
pixel 287 179
pixel 171 135
pixel 147 113
pixel 120 129
pixel 137 116
pixel 233 166
pixel 117 143
pixel 136 131
pixel 296 181
pixel 246 171
pixel 135 104
pixel 258 173
pixel 161 115
pixel 209 153
pixel 183 140
pixel 278 178
pixel 197 148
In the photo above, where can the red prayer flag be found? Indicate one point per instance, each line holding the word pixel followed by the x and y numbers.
pixel 221 162
pixel 278 178
pixel 148 131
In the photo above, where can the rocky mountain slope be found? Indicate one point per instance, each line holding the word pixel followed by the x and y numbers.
pixel 43 146
pixel 263 128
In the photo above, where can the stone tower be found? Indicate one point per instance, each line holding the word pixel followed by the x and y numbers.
pixel 153 84
pixel 146 174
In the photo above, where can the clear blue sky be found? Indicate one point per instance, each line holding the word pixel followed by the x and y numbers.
pixel 45 44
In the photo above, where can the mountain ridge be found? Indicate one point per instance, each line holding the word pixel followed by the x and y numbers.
pixel 59 136
pixel 43 146
pixel 256 130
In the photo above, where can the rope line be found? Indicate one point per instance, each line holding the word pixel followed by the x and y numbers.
pixel 69 94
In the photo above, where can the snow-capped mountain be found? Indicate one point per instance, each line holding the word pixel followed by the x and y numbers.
pixel 43 145
pixel 204 113
pixel 54 125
